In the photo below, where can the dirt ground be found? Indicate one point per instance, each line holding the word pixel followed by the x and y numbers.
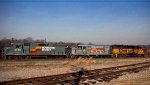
pixel 140 78
pixel 10 70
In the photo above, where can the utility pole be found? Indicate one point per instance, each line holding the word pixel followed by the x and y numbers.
pixel 45 40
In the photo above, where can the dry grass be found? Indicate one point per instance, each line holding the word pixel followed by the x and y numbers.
pixel 35 68
pixel 80 61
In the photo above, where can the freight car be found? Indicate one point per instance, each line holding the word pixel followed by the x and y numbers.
pixel 146 49
pixel 46 50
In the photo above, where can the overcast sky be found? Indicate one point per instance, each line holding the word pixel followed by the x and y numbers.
pixel 96 21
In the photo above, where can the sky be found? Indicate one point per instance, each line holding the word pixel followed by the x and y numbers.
pixel 95 21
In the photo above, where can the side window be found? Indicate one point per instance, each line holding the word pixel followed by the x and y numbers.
pixel 79 47
pixel 26 44
pixel 84 47
pixel 17 46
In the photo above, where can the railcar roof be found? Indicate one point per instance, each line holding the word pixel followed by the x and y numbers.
pixel 94 45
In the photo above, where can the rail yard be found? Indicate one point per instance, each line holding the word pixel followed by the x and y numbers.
pixel 46 50
pixel 49 72
pixel 74 42
pixel 82 64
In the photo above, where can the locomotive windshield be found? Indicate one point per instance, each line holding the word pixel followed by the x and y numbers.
pixel 42 44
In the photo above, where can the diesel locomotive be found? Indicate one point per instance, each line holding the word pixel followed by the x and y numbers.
pixel 46 50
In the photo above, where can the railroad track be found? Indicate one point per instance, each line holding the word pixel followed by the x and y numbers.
pixel 81 76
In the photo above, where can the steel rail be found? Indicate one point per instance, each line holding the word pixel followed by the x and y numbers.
pixel 74 78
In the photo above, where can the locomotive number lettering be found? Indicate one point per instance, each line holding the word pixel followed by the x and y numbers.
pixel 47 48
pixel 17 49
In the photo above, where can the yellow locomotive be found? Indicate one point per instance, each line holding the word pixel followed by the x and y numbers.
pixel 127 51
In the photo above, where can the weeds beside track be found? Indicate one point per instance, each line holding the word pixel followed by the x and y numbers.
pixel 81 76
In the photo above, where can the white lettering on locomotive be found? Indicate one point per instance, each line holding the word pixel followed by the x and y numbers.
pixel 47 48
pixel 17 49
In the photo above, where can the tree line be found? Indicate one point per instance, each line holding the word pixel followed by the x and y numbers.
pixel 7 42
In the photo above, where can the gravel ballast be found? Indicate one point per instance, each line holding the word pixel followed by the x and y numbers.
pixel 10 70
